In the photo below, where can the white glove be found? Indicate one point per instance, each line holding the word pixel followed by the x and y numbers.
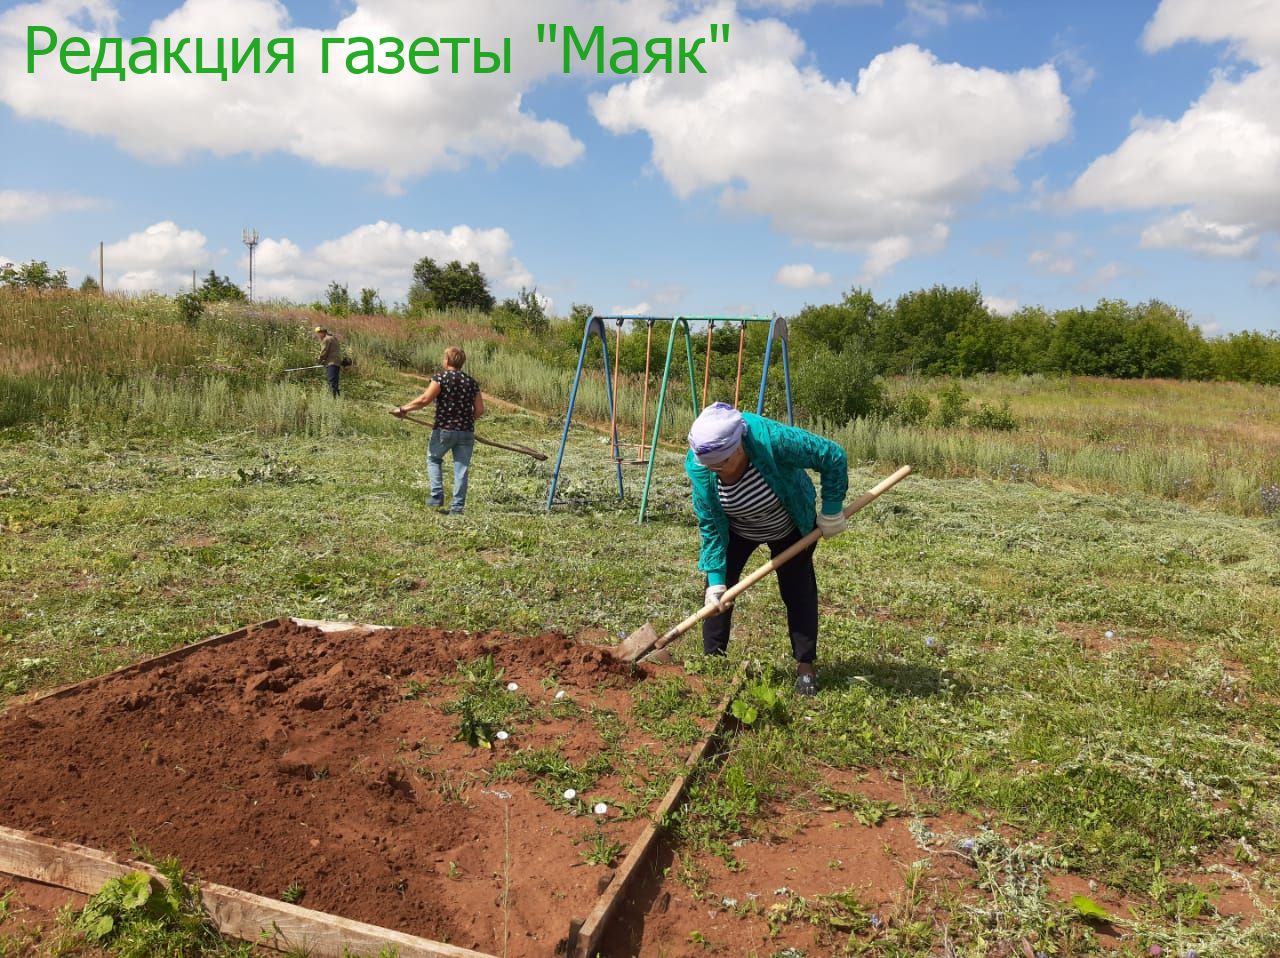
pixel 714 594
pixel 832 525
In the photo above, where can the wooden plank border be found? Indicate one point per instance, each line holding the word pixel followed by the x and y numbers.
pixel 236 914
pixel 585 934
pixel 283 926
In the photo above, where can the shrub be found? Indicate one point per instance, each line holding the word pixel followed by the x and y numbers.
pixel 912 408
pixel 952 400
pixel 837 387
pixel 988 416
pixel 190 307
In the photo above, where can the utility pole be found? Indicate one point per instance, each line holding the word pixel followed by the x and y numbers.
pixel 102 286
pixel 250 239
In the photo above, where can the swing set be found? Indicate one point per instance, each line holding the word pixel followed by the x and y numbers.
pixel 643 452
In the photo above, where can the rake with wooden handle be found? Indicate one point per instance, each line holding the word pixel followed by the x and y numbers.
pixel 646 639
pixel 523 450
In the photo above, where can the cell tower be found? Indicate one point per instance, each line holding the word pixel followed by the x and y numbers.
pixel 250 239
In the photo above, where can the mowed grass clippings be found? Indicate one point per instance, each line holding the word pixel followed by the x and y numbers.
pixel 965 646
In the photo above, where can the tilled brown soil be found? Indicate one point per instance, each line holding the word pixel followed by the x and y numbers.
pixel 293 757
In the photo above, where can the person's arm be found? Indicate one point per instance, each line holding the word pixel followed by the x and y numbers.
pixel 799 448
pixel 427 397
pixel 478 407
pixel 712 554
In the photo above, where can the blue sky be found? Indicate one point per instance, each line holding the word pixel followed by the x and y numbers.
pixel 1052 153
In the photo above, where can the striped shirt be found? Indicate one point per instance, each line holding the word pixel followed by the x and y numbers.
pixel 754 511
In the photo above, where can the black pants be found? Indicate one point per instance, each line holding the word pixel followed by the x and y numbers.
pixel 331 373
pixel 797 584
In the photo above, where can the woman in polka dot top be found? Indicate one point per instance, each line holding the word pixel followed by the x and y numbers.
pixel 458 405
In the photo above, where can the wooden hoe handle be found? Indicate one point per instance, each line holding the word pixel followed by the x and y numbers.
pixel 781 558
pixel 524 450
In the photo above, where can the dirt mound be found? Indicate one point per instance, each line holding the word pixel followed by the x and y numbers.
pixel 331 761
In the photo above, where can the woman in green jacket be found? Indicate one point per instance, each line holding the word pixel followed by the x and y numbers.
pixel 750 489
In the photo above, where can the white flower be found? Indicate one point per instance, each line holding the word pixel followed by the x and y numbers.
pixel 601 808
pixel 570 794
pixel 511 686
pixel 502 736
pixel 560 695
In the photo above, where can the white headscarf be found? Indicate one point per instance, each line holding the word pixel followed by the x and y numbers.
pixel 716 433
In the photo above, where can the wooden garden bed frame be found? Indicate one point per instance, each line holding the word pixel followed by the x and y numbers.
pixel 278 924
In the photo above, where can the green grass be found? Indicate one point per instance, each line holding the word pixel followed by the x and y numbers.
pixel 963 644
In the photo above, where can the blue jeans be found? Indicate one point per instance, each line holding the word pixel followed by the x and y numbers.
pixel 332 372
pixel 462 444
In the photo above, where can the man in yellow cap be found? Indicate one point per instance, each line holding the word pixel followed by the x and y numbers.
pixel 330 357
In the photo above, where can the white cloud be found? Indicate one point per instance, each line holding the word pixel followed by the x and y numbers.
pixel 25 205
pixel 1103 276
pixel 881 166
pixel 397 126
pixel 926 15
pixel 1000 305
pixel 380 256
pixel 1050 262
pixel 637 309
pixel 668 294
pixel 792 6
pixel 1219 161
pixel 159 258
pixel 1251 24
pixel 801 276
pixel 1266 279
pixel 1081 72
pixel 1185 230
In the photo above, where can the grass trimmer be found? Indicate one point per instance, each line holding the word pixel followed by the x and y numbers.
pixel 298 369
pixel 512 447
pixel 645 641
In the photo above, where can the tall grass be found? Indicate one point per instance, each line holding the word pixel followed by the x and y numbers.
pixel 131 365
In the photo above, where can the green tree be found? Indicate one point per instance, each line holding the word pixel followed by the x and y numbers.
pixel 1023 346
pixel 1091 342
pixel 33 275
pixel 338 300
pixel 524 311
pixel 849 324
pixel 1246 357
pixel 371 303
pixel 934 332
pixel 452 286
pixel 90 285
pixel 219 289
pixel 1161 342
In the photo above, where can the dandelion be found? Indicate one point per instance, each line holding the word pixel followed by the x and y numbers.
pixel 570 794
pixel 601 808
pixel 511 686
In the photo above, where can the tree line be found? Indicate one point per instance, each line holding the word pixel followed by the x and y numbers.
pixel 940 331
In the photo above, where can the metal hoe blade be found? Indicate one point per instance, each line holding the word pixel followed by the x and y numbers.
pixel 636 644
